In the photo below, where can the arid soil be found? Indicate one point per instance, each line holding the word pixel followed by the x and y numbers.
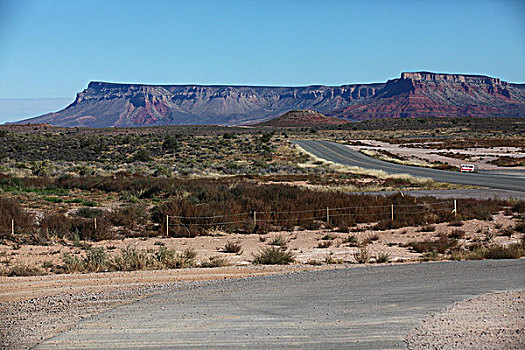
pixel 38 307
pixel 304 244
pixel 492 321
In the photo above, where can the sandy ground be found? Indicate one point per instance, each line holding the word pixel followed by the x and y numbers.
pixel 478 156
pixel 38 307
pixel 491 321
pixel 304 244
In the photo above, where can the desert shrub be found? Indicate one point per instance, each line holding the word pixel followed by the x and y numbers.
pixel 383 257
pixel 279 241
pixel 129 216
pixel 72 263
pixel 85 229
pixel 343 227
pixel 463 254
pixel 496 251
pixel 314 262
pixel 508 231
pixel 328 237
pixel 362 256
pixel 273 256
pixel 90 213
pixel 479 209
pixel 20 270
pixel 520 227
pixel 142 155
pixel 370 238
pixel 96 260
pixel 131 259
pixel 11 210
pixel 430 256
pixel 214 261
pixel 441 245
pixel 186 259
pixel 457 234
pixel 519 207
pixel 172 260
pixel 11 183
pixel 352 241
pixel 232 247
pixel 56 224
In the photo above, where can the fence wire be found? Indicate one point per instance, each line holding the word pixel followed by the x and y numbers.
pixel 321 214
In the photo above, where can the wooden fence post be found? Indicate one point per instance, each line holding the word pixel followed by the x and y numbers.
pixel 455 208
pixel 12 227
pixel 95 223
pixel 254 218
pixel 392 212
pixel 167 225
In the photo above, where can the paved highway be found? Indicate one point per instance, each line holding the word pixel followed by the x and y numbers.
pixel 369 307
pixel 342 154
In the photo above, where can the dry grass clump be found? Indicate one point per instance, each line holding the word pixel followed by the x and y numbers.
pixel 232 247
pixel 490 251
pixel 279 241
pixel 129 259
pixel 457 234
pixel 362 256
pixel 441 246
pixel 214 261
pixel 273 256
pixel 383 257
pixel 20 270
pixel 496 251
pixel 351 240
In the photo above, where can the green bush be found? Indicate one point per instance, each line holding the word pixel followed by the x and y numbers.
pixel 273 256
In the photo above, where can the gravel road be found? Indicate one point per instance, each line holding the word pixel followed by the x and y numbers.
pixel 370 307
pixel 344 155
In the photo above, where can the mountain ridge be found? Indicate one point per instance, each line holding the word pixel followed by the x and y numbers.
pixel 414 94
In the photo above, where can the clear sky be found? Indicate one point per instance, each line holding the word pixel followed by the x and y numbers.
pixel 51 49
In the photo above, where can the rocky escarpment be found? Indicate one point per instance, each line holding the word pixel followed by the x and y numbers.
pixel 416 94
pixel 424 94
pixel 303 118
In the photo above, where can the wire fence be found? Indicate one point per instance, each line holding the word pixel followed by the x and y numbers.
pixel 244 221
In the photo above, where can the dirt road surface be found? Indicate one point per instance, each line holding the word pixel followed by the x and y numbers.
pixel 370 307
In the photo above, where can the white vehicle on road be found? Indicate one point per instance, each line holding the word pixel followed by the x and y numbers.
pixel 467 168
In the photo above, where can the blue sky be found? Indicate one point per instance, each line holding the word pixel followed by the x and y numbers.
pixel 52 49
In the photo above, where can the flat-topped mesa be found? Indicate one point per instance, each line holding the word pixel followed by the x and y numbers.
pixel 415 94
pixel 454 78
